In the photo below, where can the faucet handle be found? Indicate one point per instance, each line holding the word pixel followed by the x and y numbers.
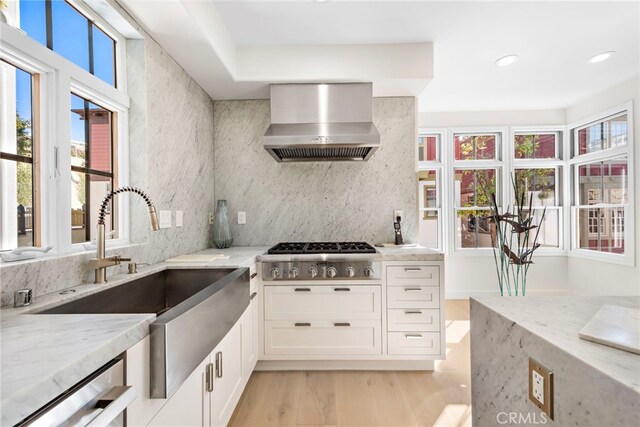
pixel 120 259
pixel 23 297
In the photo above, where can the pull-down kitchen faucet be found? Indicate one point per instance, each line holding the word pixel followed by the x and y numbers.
pixel 101 262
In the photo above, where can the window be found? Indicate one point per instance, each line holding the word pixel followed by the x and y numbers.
pixel 601 176
pixel 92 159
pixel 65 30
pixel 476 147
pixel 473 190
pixel 68 146
pixel 537 169
pixel 429 190
pixel 18 160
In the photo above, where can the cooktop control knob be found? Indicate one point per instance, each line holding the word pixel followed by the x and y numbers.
pixel 331 272
pixel 350 271
pixel 294 272
pixel 313 272
pixel 368 272
pixel 275 272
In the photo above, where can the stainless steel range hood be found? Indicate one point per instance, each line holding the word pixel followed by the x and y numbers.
pixel 321 122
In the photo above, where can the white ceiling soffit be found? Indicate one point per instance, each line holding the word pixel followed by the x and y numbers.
pixel 196 36
pixel 553 39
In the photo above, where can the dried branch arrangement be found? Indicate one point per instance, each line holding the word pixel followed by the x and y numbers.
pixel 515 239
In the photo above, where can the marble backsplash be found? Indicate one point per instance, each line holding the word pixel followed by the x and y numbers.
pixel 315 201
pixel 170 156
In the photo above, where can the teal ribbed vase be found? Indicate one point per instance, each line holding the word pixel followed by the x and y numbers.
pixel 221 229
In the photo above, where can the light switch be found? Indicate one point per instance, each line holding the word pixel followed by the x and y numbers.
pixel 242 217
pixel 165 219
pixel 179 218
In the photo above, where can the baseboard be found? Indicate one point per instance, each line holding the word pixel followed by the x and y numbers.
pixel 496 293
pixel 351 365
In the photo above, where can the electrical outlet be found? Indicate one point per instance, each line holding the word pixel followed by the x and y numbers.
pixel 211 218
pixel 179 218
pixel 397 213
pixel 242 217
pixel 541 387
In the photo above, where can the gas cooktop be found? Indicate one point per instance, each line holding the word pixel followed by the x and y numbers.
pixel 321 261
pixel 292 248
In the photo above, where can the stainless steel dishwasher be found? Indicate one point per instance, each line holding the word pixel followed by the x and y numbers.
pixel 98 400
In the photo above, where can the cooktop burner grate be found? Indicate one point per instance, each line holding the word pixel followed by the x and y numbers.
pixel 321 248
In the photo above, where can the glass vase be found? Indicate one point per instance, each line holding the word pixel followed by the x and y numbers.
pixel 221 229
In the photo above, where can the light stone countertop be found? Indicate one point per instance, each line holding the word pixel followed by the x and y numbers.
pixel 558 319
pixel 44 355
pixel 412 253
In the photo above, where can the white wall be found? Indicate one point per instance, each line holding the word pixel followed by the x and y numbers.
pixel 595 277
pixel 475 275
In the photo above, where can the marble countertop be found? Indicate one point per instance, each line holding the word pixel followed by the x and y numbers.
pixel 412 253
pixel 43 355
pixel 558 319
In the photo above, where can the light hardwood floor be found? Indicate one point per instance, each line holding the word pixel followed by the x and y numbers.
pixel 367 398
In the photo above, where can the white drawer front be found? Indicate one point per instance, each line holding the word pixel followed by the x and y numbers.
pixel 413 343
pixel 323 337
pixel 322 302
pixel 413 319
pixel 410 296
pixel 427 275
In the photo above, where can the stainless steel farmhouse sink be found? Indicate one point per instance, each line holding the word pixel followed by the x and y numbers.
pixel 195 308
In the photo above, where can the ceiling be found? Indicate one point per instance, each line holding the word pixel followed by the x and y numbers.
pixel 554 41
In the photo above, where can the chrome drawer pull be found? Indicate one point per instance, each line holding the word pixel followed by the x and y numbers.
pixel 412 269
pixel 112 404
pixel 209 377
pixel 412 312
pixel 412 289
pixel 342 289
pixel 219 364
pixel 253 295
pixel 342 324
pixel 302 290
pixel 413 336
pixel 302 324
pixel 253 276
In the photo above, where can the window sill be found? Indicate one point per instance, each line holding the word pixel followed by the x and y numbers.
pixel 77 252
pixel 626 260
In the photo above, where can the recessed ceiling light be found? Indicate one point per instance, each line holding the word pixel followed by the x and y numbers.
pixel 506 60
pixel 601 56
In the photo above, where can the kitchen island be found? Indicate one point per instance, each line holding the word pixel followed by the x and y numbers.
pixel 593 384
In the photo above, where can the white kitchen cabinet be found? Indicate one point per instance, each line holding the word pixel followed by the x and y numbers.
pixel 189 405
pixel 317 302
pixel 414 311
pixel 227 382
pixel 250 337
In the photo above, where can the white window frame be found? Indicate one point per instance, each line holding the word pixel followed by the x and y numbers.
pixel 628 258
pixel 58 78
pixel 500 164
pixel 438 166
pixel 559 164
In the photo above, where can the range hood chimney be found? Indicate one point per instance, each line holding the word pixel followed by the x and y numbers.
pixel 321 122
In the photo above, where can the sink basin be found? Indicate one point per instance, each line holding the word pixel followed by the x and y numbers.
pixel 156 293
pixel 195 309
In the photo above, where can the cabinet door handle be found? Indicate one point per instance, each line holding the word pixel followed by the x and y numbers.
pixel 209 377
pixel 219 364
pixel 342 289
pixel 413 336
pixel 302 290
pixel 253 275
pixel 412 289
pixel 412 269
pixel 342 324
pixel 302 324
pixel 253 295
pixel 412 312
